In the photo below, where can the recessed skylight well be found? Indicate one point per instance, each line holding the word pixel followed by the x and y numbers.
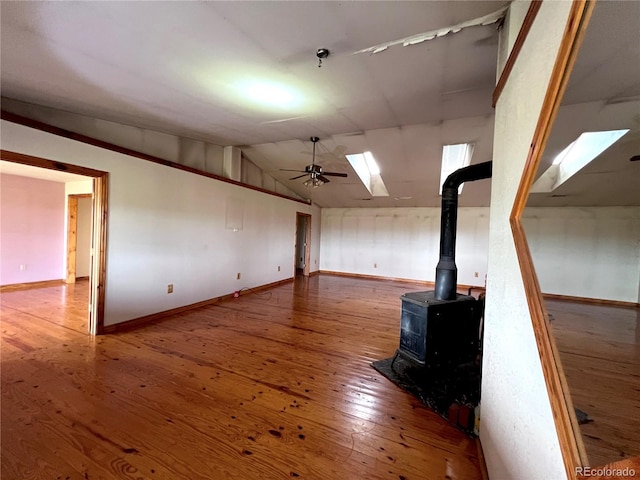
pixel 578 154
pixel 367 168
pixel 454 157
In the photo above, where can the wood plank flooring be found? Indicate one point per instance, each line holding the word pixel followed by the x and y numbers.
pixel 275 384
pixel 600 352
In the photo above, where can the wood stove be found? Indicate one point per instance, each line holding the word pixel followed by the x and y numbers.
pixel 439 357
pixel 439 334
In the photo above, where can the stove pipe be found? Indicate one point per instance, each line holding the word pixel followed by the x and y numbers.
pixel 446 270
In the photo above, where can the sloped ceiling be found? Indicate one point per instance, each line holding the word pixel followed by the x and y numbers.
pixel 192 69
pixel 603 93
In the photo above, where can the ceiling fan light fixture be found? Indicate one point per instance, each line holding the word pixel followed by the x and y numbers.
pixel 317 176
pixel 313 183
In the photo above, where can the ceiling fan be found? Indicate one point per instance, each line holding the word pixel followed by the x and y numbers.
pixel 317 176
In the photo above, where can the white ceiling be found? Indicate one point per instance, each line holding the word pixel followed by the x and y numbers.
pixel 176 67
pixel 603 93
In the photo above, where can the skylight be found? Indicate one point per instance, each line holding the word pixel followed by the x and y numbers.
pixel 369 172
pixel 575 157
pixel 454 157
pixel 587 147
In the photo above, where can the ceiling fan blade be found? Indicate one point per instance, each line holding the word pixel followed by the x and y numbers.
pixel 299 176
pixel 323 178
pixel 290 170
pixel 335 174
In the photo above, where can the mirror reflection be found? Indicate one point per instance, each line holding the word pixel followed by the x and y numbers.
pixel 583 227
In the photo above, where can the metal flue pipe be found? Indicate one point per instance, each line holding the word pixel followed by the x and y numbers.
pixel 446 270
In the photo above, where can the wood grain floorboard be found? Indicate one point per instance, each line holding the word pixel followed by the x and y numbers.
pixel 275 384
pixel 600 352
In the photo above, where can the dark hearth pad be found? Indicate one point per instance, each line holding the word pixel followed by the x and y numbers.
pixel 442 394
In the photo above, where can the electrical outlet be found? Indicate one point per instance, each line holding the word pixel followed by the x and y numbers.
pixel 375 265
pixel 278 267
pixel 23 267
pixel 238 276
pixel 170 288
pixel 475 274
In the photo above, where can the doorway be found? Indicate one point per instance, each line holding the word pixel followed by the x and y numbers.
pixel 98 229
pixel 79 221
pixel 302 253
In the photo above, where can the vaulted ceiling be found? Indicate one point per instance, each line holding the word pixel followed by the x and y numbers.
pixel 246 74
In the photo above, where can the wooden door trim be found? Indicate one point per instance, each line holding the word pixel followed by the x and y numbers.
pixel 72 234
pixel 307 247
pixel 99 230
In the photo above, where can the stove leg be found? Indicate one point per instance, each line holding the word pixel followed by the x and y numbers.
pixel 394 359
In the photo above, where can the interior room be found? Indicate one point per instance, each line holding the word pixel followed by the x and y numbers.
pixel 211 210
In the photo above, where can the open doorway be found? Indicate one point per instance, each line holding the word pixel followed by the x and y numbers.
pixel 93 227
pixel 79 222
pixel 302 244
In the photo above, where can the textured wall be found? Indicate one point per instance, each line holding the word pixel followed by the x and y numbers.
pixel 402 242
pixel 518 432
pixel 586 252
pixel 168 226
pixel 32 230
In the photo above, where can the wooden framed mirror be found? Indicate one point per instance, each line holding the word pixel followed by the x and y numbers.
pixel 579 225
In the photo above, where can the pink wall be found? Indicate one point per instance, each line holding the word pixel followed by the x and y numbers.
pixel 31 229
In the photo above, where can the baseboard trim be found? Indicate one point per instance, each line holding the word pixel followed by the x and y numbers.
pixel 396 279
pixel 550 296
pixel 29 285
pixel 481 461
pixel 596 301
pixel 134 323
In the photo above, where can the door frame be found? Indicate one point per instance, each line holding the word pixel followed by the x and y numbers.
pixel 307 246
pixel 97 278
pixel 72 233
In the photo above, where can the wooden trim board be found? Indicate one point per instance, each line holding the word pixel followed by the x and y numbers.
pixel 481 460
pixel 72 230
pixel 157 317
pixel 29 285
pixel 595 301
pixel 515 51
pixel 569 437
pixel 61 132
pixel 24 159
pixel 425 283
pixel 99 253
pixel 99 235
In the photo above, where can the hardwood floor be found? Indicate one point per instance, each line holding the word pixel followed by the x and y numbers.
pixel 600 353
pixel 275 384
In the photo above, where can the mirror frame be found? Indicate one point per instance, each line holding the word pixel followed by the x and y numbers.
pixel 569 436
pixel 571 445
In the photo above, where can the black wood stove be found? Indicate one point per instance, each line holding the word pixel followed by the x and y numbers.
pixel 439 357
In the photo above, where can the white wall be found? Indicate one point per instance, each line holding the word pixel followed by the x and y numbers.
pixel 586 252
pixel 590 252
pixel 517 429
pixel 168 226
pixel 402 242
pixel 186 151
